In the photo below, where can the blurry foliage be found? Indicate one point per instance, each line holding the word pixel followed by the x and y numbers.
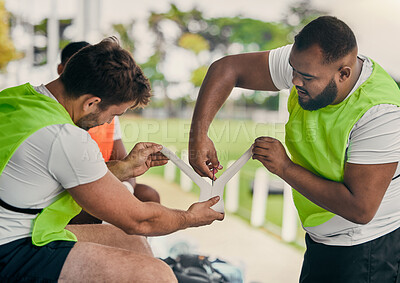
pixel 123 31
pixel 7 49
pixel 40 52
pixel 299 15
pixel 222 32
pixel 193 42
pixel 260 100
pixel 198 34
pixel 198 76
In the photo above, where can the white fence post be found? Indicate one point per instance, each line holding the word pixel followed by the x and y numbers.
pixel 260 194
pixel 185 181
pixel 170 168
pixel 232 192
pixel 289 222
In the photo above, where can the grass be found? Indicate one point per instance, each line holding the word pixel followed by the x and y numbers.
pixel 231 139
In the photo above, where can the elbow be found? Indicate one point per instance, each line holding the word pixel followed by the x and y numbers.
pixel 136 228
pixel 224 68
pixel 362 220
pixel 141 223
pixel 362 216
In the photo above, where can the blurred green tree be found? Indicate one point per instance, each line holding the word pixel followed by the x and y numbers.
pixel 40 52
pixel 7 49
pixel 299 14
pixel 124 32
pixel 208 38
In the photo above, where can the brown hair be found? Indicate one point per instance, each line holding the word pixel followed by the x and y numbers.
pixel 107 71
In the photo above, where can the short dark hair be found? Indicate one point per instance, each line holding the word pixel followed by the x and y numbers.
pixel 107 71
pixel 332 35
pixel 70 49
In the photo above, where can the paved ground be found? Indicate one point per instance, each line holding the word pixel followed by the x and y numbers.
pixel 263 256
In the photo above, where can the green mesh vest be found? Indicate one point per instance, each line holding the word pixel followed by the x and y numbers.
pixel 24 111
pixel 317 140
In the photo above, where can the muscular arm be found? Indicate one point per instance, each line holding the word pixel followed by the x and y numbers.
pixel 251 71
pixel 139 160
pixel 356 199
pixel 119 153
pixel 108 199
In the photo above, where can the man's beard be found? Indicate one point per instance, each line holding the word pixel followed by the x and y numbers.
pixel 89 121
pixel 325 98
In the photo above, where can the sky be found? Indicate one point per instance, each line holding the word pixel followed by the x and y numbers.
pixel 376 24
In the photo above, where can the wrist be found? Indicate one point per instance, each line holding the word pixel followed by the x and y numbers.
pixel 188 219
pixel 287 168
pixel 120 169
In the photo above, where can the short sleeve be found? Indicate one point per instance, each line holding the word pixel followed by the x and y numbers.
pixel 375 138
pixel 75 158
pixel 280 70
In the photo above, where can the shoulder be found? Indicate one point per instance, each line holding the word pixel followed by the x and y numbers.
pixel 280 70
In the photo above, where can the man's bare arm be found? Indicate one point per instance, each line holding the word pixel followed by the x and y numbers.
pixel 356 199
pixel 108 199
pixel 119 153
pixel 143 156
pixel 249 70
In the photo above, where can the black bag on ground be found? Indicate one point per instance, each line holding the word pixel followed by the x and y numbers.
pixel 192 268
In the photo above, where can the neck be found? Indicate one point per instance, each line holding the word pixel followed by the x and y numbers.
pixel 57 89
pixel 354 78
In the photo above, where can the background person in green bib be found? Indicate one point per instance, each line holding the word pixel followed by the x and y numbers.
pixel 343 137
pixel 50 168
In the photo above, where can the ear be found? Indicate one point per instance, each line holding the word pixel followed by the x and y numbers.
pixel 60 68
pixel 90 103
pixel 344 73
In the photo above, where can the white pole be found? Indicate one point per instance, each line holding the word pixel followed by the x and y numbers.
pixel 186 182
pixel 260 194
pixel 79 21
pixel 53 37
pixel 289 222
pixel 170 168
pixel 232 192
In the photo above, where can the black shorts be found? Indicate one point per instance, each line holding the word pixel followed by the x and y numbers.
pixel 376 261
pixel 21 261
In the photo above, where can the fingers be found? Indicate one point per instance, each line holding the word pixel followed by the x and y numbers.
pixel 265 139
pixel 151 149
pixel 214 161
pixel 158 163
pixel 212 201
pixel 158 156
pixel 203 170
pixel 148 144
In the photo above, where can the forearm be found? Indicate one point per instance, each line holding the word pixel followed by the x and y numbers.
pixel 159 220
pixel 120 169
pixel 333 196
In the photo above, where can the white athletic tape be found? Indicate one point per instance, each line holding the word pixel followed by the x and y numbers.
pixel 208 191
pixel 128 186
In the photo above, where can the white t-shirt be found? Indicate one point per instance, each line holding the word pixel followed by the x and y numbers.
pixel 51 159
pixel 374 139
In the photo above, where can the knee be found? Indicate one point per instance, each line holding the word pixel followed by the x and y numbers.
pixel 162 272
pixel 146 193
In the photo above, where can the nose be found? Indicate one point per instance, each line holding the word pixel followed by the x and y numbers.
pixel 296 80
